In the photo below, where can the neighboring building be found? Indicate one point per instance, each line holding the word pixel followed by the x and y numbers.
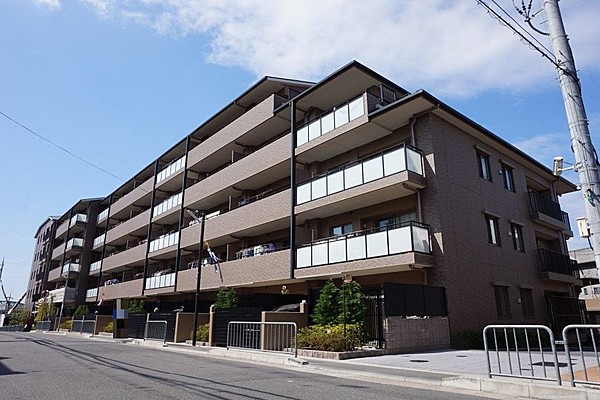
pixel 42 257
pixel 394 188
pixel 586 264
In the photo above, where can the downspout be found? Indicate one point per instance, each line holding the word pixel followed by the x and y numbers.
pixel 413 121
pixel 293 182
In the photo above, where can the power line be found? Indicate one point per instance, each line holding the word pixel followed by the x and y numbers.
pixel 61 148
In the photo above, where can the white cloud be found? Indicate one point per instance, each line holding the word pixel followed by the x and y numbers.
pixel 50 5
pixel 450 47
pixel 545 147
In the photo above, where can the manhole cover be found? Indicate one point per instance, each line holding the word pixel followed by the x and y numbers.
pixel 419 361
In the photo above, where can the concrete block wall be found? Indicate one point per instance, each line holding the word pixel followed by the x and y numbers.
pixel 416 334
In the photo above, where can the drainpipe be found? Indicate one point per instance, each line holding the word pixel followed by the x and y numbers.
pixel 413 121
pixel 293 183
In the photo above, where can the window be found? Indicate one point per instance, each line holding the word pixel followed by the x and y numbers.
pixel 397 219
pixel 527 303
pixel 484 166
pixel 493 230
pixel 507 175
pixel 517 237
pixel 340 230
pixel 502 302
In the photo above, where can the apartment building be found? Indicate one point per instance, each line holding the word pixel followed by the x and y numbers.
pixel 303 182
pixel 40 265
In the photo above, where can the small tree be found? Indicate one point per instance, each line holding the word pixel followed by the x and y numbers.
pixel 18 317
pixel 351 304
pixel 45 309
pixel 136 306
pixel 82 310
pixel 226 298
pixel 327 308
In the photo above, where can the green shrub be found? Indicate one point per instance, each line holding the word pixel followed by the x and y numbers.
pixel 108 327
pixel 18 317
pixel 136 306
pixel 202 333
pixel 331 337
pixel 66 324
pixel 327 310
pixel 82 310
pixel 351 304
pixel 226 298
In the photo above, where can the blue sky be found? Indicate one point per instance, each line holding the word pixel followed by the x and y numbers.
pixel 119 82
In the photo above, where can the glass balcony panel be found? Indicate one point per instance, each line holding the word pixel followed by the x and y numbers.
pixel 341 116
pixel 394 162
pixel 372 169
pixel 320 255
pixel 303 193
pixel 303 257
pixel 319 188
pixel 162 280
pixel 353 176
pixel 414 161
pixel 337 250
pixel 399 240
pixel 170 203
pixel 356 248
pixel 421 239
pixel 314 129
pixel 327 124
pixel 357 108
pixel 335 182
pixel 377 244
pixel 302 136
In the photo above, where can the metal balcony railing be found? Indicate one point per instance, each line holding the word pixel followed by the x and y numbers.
pixel 394 239
pixel 541 204
pixel 558 263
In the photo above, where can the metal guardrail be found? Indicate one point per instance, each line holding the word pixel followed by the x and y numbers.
pixel 591 331
pixel 517 341
pixel 156 330
pixel 264 336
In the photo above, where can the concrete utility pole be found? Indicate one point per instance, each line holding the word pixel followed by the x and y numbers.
pixel 586 163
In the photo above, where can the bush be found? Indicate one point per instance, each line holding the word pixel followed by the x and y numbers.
pixel 108 327
pixel 66 324
pixel 82 310
pixel 331 337
pixel 226 298
pixel 202 333
pixel 136 306
pixel 18 317
pixel 327 310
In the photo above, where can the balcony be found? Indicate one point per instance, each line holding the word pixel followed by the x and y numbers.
pixel 58 252
pixel 136 226
pixel 410 237
pixel 68 268
pixel 98 241
pixel 164 241
pixel 160 281
pixel 102 216
pixel 54 275
pixel 95 266
pixel 78 219
pixel 58 295
pixel 134 256
pixel 547 212
pixel 405 158
pixel 62 229
pixel 253 271
pixel 169 204
pixel 558 266
pixel 91 293
pixel 170 171
pixel 142 192
pixel 121 290
pixel 75 244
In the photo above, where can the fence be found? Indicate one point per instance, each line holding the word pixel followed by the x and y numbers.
pixel 156 330
pixel 84 326
pixel 590 332
pixel 43 325
pixel 516 341
pixel 264 336
pixel 11 328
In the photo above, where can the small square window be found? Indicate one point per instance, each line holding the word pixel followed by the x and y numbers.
pixel 484 166
pixel 493 230
pixel 507 175
pixel 502 302
pixel 517 237
pixel 527 303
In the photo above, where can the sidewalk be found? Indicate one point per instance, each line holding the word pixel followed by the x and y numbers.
pixel 443 370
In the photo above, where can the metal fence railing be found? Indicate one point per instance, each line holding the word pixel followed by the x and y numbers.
pixel 263 336
pixel 11 328
pixel 587 348
pixel 84 326
pixel 43 325
pixel 156 330
pixel 519 352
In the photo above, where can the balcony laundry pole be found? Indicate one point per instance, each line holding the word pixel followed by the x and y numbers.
pixel 201 221
pixel 586 159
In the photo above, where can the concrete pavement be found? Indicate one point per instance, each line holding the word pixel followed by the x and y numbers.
pixel 445 370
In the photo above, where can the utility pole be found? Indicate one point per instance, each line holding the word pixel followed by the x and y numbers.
pixel 586 162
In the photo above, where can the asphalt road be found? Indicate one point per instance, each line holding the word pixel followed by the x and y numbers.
pixel 46 366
